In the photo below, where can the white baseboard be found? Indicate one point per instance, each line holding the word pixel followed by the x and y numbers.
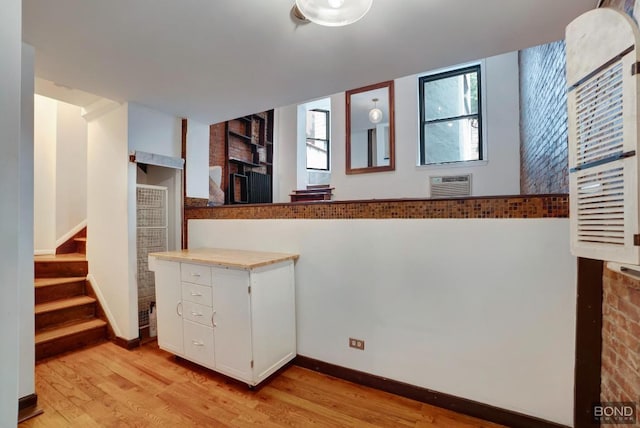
pixel 70 233
pixel 44 252
pixel 103 303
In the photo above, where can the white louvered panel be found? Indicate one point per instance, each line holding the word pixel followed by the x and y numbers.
pixel 603 135
pixel 599 115
pixel 604 216
pixel 601 207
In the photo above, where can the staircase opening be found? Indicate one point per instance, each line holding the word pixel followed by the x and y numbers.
pixel 67 313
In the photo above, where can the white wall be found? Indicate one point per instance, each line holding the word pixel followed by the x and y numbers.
pixel 154 132
pixel 159 133
pixel 111 202
pixel 487 314
pixel 10 192
pixel 109 220
pixel 197 162
pixel 285 152
pixel 71 169
pixel 60 172
pixel 499 175
pixel 26 320
pixel 45 132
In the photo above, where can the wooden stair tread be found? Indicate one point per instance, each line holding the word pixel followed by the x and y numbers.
pixel 63 304
pixel 47 282
pixel 58 258
pixel 315 191
pixel 80 239
pixel 68 330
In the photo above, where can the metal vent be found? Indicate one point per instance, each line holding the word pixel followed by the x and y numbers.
pixel 451 186
pixel 151 236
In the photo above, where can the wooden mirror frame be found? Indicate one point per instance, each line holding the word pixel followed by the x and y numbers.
pixel 392 147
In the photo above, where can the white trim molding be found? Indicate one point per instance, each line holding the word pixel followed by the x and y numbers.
pixel 64 238
pixel 103 303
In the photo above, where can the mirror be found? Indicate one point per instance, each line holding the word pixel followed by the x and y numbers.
pixel 370 129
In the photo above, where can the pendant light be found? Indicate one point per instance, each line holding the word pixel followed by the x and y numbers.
pixel 332 13
pixel 375 114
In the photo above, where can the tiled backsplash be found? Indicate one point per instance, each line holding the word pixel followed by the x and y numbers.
pixel 528 206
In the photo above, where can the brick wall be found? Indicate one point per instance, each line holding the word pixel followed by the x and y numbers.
pixel 620 338
pixel 217 155
pixel 216 145
pixel 543 120
pixel 621 334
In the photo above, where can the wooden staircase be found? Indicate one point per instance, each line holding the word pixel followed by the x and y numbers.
pixel 67 314
pixel 318 192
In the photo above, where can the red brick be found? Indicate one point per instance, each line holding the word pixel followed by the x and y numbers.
pixel 608 354
pixel 610 300
pixel 607 310
pixel 634 329
pixel 613 391
pixel 621 338
pixel 610 391
pixel 629 310
pixel 634 297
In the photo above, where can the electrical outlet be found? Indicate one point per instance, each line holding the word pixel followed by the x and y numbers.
pixel 356 343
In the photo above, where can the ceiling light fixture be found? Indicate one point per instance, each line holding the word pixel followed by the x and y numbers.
pixel 375 114
pixel 331 13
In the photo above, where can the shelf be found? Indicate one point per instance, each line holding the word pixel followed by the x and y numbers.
pixel 239 135
pixel 250 139
pixel 239 180
pixel 243 162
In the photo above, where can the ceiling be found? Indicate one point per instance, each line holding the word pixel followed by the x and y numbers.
pixel 212 60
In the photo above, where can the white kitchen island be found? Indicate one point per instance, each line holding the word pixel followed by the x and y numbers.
pixel 232 311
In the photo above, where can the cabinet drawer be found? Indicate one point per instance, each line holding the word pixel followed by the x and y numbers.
pixel 195 312
pixel 195 293
pixel 198 343
pixel 196 274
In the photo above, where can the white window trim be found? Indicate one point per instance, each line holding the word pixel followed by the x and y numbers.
pixel 483 107
pixel 323 103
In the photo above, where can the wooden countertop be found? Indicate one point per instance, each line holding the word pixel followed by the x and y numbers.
pixel 224 257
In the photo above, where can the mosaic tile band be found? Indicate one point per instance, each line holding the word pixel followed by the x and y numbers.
pixel 529 206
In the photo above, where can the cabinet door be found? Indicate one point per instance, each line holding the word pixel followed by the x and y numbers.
pixel 232 323
pixel 169 304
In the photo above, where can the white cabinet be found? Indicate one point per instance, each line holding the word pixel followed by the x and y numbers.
pixel 235 315
pixel 169 305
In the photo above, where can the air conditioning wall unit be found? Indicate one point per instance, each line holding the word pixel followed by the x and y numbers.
pixel 602 79
pixel 450 186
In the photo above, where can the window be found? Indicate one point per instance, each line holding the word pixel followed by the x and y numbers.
pixel 318 139
pixel 450 117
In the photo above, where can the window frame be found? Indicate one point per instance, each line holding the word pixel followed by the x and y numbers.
pixel 477 68
pixel 328 140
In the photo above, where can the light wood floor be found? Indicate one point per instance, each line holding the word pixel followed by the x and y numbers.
pixel 107 386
